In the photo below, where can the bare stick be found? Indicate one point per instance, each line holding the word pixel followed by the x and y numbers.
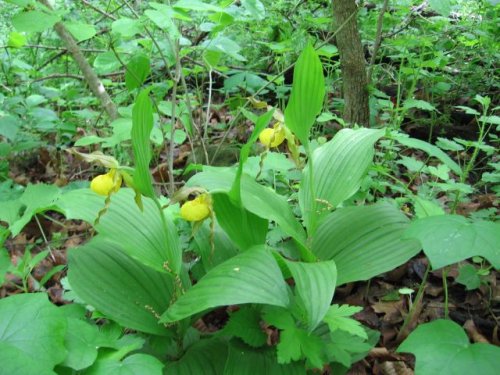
pixel 378 38
pixel 91 78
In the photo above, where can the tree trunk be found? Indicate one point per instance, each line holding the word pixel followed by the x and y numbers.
pixel 90 76
pixel 352 63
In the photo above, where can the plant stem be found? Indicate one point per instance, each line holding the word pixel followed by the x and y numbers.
pixel 413 307
pixel 445 286
pixel 44 237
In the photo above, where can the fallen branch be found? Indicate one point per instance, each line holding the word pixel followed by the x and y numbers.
pixel 90 76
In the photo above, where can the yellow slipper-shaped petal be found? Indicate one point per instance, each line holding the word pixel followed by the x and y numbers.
pixel 272 137
pixel 197 209
pixel 104 184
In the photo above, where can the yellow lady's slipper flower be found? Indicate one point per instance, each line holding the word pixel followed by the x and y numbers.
pixel 197 209
pixel 272 137
pixel 108 183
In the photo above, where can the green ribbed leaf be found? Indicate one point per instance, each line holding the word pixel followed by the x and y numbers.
pixel 315 285
pixel 260 200
pixel 141 234
pixel 364 241
pixel 81 204
pixel 308 92
pixel 339 166
pixel 260 124
pixel 142 125
pixel 124 290
pixel 243 227
pixel 138 70
pixel 205 357
pixel 225 247
pixel 249 277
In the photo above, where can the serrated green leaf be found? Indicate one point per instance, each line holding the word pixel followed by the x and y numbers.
pixel 308 91
pixel 243 360
pixel 442 347
pixel 205 357
pixel 337 317
pixel 345 348
pixel 245 324
pixel 296 343
pixel 249 277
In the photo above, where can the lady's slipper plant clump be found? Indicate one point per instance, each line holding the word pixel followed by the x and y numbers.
pixel 197 209
pixel 106 184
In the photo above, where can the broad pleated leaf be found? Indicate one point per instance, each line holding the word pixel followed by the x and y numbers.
pixel 244 360
pixel 225 248
pixel 364 241
pixel 260 200
pixel 138 70
pixel 260 124
pixel 339 166
pixel 245 323
pixel 243 227
pixel 32 332
pixel 308 92
pixel 249 277
pixel 142 125
pixel 141 234
pixel 116 285
pixel 207 357
pixel 449 239
pixel 315 285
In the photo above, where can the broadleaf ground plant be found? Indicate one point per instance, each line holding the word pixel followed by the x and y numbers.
pixel 252 265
